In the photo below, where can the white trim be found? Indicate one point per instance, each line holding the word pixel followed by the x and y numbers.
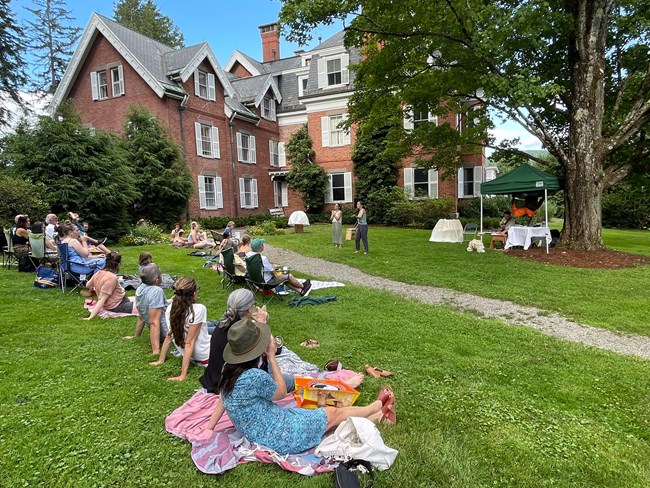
pixel 325 131
pixel 94 85
pixel 285 120
pixel 271 84
pixel 212 92
pixel 282 155
pixel 461 186
pixel 206 53
pixel 216 150
pixel 241 59
pixel 347 187
pixel 478 179
pixel 322 103
pixel 219 190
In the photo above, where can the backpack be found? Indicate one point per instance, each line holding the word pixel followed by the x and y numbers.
pixel 46 277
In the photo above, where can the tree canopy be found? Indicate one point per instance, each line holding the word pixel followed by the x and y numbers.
pixel 51 39
pixel 576 74
pixel 306 177
pixel 12 65
pixel 145 17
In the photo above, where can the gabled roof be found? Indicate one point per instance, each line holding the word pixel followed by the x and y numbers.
pixel 155 62
pixel 235 106
pixel 253 89
pixel 254 67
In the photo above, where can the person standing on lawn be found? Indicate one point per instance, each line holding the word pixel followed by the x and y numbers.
pixel 362 228
pixel 337 225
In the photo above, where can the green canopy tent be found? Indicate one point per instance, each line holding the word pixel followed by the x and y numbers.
pixel 525 179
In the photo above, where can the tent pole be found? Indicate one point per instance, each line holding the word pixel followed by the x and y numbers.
pixel 546 217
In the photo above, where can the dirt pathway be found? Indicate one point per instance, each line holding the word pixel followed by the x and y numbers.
pixel 510 313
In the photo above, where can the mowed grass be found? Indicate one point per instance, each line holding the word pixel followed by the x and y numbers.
pixel 612 299
pixel 479 403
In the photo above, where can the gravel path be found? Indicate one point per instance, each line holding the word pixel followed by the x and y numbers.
pixel 512 314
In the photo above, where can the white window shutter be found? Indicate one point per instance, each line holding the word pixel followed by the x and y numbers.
pixel 282 155
pixel 252 152
pixel 216 151
pixel 346 132
pixel 94 85
pixel 197 133
pixel 120 70
pixel 242 198
pixel 478 179
pixel 328 193
pixel 322 73
pixel 408 182
pixel 272 108
pixel 325 131
pixel 240 151
pixel 433 118
pixel 202 202
pixel 197 88
pixel 408 118
pixel 433 183
pixel 271 158
pixel 212 93
pixel 345 72
pixel 254 192
pixel 285 194
pixel 219 190
pixel 347 186
pixel 461 194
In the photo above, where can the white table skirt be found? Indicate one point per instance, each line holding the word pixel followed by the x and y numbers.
pixel 522 236
pixel 447 231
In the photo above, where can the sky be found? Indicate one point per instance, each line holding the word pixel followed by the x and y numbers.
pixel 228 26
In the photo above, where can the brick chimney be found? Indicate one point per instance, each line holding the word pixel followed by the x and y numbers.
pixel 270 41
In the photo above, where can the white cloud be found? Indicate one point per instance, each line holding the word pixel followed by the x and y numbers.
pixel 36 105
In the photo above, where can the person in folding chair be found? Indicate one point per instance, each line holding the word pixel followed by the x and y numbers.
pixel 257 247
pixel 79 256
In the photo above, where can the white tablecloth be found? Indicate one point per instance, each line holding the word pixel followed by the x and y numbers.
pixel 447 231
pixel 522 236
pixel 298 218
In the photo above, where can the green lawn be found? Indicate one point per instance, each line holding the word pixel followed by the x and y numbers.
pixel 611 299
pixel 479 403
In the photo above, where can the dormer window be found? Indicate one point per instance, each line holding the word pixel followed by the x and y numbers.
pixel 268 108
pixel 333 71
pixel 204 86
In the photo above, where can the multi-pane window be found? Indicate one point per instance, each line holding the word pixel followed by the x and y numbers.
pixel 102 85
pixel 274 155
pixel 469 181
pixel 336 131
pixel 416 116
pixel 333 71
pixel 421 183
pixel 268 108
pixel 210 192
pixel 246 152
pixel 280 193
pixel 207 140
pixel 117 81
pixel 248 192
pixel 332 131
pixel 204 85
pixel 340 188
pixel 302 84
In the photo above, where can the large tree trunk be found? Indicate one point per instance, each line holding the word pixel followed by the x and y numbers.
pixel 584 164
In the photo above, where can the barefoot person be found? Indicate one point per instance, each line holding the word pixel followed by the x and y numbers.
pixel 248 394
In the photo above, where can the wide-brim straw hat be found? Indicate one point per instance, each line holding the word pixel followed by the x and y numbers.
pixel 247 340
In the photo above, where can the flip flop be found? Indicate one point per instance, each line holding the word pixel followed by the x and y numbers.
pixel 377 372
pixel 310 344
pixel 388 407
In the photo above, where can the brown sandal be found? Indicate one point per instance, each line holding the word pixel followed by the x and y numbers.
pixel 310 344
pixel 377 372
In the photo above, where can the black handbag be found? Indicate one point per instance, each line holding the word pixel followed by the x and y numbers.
pixel 344 477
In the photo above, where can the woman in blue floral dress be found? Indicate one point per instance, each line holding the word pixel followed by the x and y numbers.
pixel 248 394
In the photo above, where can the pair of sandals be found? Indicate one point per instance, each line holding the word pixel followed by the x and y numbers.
pixel 387 399
pixel 377 372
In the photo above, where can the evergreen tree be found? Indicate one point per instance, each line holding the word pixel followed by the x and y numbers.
pixel 12 66
pixel 307 177
pixel 52 40
pixel 145 18
pixel 86 171
pixel 164 180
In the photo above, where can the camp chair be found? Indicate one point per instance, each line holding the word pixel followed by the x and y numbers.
pixel 230 277
pixel 470 230
pixel 217 236
pixel 65 272
pixel 38 253
pixel 255 279
pixel 8 254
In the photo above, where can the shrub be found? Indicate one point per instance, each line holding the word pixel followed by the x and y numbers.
pixel 247 220
pixel 626 205
pixel 434 209
pixel 380 201
pixel 144 234
pixel 404 213
pixel 266 228
pixel 20 196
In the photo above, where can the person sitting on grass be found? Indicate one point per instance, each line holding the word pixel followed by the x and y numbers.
pixel 198 238
pixel 189 328
pixel 144 260
pixel 257 247
pixel 111 295
pixel 151 303
pixel 248 394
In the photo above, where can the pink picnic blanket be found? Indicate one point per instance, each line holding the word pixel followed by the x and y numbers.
pixel 216 451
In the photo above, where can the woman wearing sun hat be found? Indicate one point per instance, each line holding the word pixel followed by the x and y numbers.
pixel 248 394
